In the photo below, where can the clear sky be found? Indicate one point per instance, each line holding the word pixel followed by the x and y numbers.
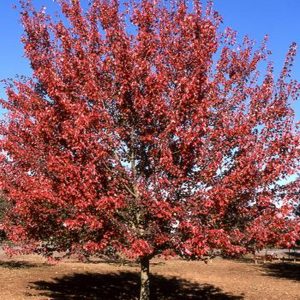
pixel 280 19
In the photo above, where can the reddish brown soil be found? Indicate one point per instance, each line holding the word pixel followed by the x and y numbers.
pixel 29 277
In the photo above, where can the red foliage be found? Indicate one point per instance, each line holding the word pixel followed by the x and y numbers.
pixel 145 132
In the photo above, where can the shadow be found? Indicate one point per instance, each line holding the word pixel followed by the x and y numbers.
pixel 125 285
pixel 116 262
pixel 245 260
pixel 292 254
pixel 283 270
pixel 13 264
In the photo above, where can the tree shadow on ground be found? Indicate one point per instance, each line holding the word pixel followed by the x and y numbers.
pixel 125 285
pixel 292 254
pixel 116 262
pixel 14 264
pixel 283 270
pixel 244 260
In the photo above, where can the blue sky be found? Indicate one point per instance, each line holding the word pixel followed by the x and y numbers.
pixel 278 18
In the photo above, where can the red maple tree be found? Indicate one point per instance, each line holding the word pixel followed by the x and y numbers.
pixel 147 131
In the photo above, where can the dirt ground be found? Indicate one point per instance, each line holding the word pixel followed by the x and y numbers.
pixel 30 277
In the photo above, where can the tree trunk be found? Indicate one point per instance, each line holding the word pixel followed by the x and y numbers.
pixel 145 281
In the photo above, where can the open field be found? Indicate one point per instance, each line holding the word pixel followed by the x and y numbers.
pixel 29 277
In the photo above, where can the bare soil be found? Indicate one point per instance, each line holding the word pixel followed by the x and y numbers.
pixel 30 277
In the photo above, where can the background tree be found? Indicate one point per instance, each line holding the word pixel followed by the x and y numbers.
pixel 3 209
pixel 297 210
pixel 297 196
pixel 147 131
